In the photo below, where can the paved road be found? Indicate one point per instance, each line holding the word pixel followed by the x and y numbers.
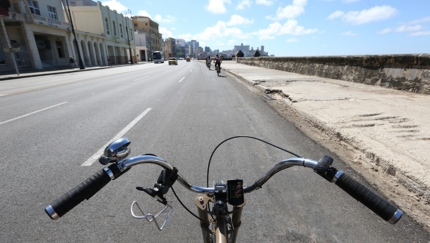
pixel 184 111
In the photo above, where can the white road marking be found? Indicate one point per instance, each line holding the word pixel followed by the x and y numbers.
pixel 140 78
pixel 96 156
pixel 191 70
pixel 181 79
pixel 32 113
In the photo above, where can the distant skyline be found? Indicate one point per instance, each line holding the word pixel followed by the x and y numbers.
pixel 293 27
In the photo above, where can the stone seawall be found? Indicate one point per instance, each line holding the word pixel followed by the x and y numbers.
pixel 402 72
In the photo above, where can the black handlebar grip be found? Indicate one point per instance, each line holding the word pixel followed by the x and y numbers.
pixel 362 194
pixel 83 191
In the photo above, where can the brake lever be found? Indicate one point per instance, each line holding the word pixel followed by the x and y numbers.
pixel 165 180
pixel 150 217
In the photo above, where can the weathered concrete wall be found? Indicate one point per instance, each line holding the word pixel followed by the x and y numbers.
pixel 403 72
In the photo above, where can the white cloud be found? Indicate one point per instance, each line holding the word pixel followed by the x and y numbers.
pixel 243 4
pixel 186 36
pixel 114 5
pixel 336 14
pixel 264 2
pixel 239 20
pixel 423 20
pixel 290 11
pixel 292 40
pixel 406 28
pixel 344 1
pixel 165 32
pixel 377 13
pixel 168 19
pixel 217 6
pixel 143 13
pixel 420 33
pixel 385 31
pixel 291 27
pixel 349 33
pixel 221 31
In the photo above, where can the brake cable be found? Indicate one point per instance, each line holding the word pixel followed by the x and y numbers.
pixel 209 163
pixel 261 140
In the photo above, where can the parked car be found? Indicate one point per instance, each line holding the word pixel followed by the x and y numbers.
pixel 173 61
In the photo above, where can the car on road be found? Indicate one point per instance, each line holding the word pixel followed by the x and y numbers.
pixel 188 59
pixel 173 61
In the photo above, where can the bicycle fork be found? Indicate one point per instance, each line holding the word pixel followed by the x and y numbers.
pixel 217 228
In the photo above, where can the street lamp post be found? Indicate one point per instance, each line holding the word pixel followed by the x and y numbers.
pixel 81 64
pixel 128 36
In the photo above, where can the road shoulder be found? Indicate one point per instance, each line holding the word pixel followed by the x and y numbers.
pixel 383 146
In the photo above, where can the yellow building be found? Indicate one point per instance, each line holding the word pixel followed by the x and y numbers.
pixel 150 28
pixel 116 30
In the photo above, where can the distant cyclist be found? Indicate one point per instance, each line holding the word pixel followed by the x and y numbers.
pixel 208 62
pixel 217 60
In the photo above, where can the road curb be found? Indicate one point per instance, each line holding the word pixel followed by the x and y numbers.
pixel 54 72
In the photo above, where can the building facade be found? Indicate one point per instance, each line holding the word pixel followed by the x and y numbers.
pixel 103 34
pixel 142 40
pixel 150 27
pixel 34 35
pixel 169 48
pixel 38 35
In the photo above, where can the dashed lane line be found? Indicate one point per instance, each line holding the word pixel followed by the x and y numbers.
pixel 96 156
pixel 31 113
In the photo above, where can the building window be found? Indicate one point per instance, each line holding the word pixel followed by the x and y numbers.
pixel 107 26
pixel 34 7
pixel 120 30
pixel 60 49
pixel 52 13
pixel 113 27
pixel 131 34
pixel 2 60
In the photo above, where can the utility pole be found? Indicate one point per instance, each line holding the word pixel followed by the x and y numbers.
pixel 81 64
pixel 128 36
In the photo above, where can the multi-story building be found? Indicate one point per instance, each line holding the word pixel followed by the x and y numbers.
pixel 103 34
pixel 244 49
pixel 150 27
pixel 38 35
pixel 180 48
pixel 82 3
pixel 142 40
pixel 34 35
pixel 169 47
pixel 192 47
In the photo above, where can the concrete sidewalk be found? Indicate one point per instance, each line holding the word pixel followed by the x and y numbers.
pixel 35 73
pixel 382 133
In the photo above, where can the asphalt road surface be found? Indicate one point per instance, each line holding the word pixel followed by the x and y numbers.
pixel 54 127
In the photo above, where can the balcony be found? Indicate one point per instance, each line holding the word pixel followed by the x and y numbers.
pixel 37 19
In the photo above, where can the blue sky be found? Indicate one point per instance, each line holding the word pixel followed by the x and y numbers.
pixel 293 27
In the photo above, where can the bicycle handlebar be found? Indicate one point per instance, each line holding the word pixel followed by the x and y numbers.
pixel 96 182
pixel 83 191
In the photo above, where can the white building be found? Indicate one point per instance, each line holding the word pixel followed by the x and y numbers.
pixel 40 34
